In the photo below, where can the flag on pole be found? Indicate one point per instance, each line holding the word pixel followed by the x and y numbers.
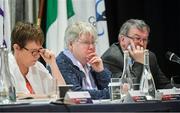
pixel 60 13
pixel 56 23
pixel 5 26
pixel 101 24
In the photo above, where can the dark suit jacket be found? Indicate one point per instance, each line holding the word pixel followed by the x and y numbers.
pixel 114 61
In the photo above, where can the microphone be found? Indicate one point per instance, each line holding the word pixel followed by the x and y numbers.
pixel 172 57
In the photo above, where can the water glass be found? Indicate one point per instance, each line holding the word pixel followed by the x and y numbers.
pixel 175 81
pixel 63 89
pixel 51 88
pixel 114 88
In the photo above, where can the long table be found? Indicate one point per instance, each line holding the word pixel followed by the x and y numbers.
pixel 169 106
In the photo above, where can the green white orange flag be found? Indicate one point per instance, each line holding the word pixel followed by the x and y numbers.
pixel 60 13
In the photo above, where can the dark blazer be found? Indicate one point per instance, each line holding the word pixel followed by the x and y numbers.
pixel 74 76
pixel 114 61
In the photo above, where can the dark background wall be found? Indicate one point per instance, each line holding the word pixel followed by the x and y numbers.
pixel 163 17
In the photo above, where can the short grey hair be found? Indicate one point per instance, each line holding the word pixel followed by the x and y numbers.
pixel 74 30
pixel 133 23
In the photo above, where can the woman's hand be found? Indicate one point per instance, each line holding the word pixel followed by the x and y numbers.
pixel 48 56
pixel 95 61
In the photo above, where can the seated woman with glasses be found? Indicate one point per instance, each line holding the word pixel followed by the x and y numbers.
pixel 31 77
pixel 133 36
pixel 79 63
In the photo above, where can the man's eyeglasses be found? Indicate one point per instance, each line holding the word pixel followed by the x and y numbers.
pixel 137 39
pixel 34 52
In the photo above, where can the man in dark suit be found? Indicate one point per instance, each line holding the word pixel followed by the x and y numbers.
pixel 133 36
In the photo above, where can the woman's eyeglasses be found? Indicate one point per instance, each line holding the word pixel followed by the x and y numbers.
pixel 34 52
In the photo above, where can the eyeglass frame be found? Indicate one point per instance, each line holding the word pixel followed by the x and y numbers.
pixel 34 52
pixel 138 39
pixel 87 42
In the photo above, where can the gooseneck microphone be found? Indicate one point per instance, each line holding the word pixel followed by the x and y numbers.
pixel 172 57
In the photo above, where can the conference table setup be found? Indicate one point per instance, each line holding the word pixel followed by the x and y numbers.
pixel 168 103
pixel 169 106
pixel 90 56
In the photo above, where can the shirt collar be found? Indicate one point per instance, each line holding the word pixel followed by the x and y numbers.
pixel 75 61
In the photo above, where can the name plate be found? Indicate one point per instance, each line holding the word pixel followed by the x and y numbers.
pixel 170 94
pixel 137 96
pixel 77 97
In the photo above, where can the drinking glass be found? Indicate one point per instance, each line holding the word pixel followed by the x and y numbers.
pixel 51 88
pixel 175 81
pixel 114 87
pixel 63 89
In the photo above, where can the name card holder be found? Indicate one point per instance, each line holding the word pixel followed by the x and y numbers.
pixel 77 97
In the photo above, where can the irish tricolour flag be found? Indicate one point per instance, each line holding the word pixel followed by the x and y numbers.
pixel 60 13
